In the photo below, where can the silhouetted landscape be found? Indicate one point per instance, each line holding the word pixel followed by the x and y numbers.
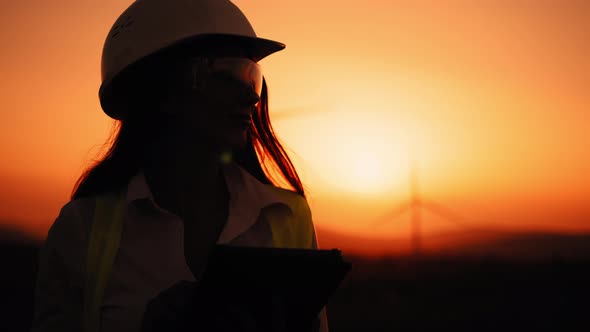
pixel 433 293
pixel 19 255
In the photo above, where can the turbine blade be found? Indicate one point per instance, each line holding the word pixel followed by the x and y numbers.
pixel 447 214
pixel 392 214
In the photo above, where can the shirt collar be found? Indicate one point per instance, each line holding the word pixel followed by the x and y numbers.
pixel 247 194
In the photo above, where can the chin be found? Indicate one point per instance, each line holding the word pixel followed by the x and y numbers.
pixel 235 139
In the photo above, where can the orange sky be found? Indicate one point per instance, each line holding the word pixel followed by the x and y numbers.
pixel 492 95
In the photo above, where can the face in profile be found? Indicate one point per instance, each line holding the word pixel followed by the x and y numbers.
pixel 212 106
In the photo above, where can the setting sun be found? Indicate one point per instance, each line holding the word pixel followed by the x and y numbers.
pixel 348 150
pixel 367 170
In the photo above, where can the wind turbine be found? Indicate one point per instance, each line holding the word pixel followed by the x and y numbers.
pixel 415 205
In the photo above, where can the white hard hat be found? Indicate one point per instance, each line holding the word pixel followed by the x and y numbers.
pixel 149 26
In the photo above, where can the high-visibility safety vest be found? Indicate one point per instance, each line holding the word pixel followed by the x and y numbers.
pixel 289 230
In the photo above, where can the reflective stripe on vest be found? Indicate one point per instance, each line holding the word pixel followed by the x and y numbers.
pixel 105 237
pixel 103 244
pixel 286 231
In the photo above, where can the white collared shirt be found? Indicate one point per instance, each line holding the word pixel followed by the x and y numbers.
pixel 150 257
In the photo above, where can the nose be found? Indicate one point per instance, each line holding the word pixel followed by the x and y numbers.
pixel 249 97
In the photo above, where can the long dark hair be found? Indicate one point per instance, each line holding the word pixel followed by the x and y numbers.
pixel 122 160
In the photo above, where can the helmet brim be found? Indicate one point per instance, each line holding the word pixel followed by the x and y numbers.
pixel 257 48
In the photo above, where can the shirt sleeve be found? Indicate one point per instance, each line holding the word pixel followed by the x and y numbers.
pixel 57 305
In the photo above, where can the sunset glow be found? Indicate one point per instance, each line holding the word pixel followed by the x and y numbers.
pixel 489 99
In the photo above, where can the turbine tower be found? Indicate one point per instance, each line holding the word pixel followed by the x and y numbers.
pixel 415 205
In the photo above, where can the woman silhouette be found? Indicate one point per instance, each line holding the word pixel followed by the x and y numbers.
pixel 181 79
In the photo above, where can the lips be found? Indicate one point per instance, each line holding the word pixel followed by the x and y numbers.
pixel 242 119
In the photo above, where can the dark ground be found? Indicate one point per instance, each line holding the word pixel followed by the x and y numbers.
pixel 463 295
pixel 398 294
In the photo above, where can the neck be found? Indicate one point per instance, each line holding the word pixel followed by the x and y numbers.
pixel 181 176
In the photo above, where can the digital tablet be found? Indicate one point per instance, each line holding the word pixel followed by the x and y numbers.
pixel 304 278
